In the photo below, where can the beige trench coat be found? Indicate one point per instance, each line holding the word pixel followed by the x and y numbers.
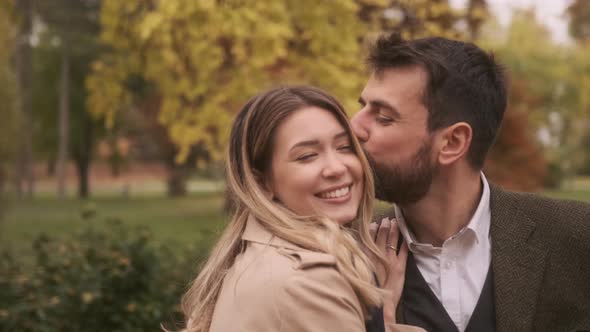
pixel 276 286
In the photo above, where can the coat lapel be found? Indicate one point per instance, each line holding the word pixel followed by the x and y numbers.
pixel 518 262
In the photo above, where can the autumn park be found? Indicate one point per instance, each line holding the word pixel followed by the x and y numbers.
pixel 115 117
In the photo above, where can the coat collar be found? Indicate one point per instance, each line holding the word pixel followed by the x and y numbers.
pixel 255 232
pixel 518 262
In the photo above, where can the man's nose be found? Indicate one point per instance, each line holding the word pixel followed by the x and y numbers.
pixel 359 127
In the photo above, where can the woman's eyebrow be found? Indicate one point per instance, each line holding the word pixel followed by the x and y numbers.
pixel 340 135
pixel 313 142
pixel 305 143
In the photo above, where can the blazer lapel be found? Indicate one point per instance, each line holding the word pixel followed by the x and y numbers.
pixel 518 263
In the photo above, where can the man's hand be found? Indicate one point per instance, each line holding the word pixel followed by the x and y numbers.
pixel 386 237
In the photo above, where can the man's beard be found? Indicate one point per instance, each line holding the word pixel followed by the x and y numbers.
pixel 407 182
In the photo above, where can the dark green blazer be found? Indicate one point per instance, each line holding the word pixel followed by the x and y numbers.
pixel 541 262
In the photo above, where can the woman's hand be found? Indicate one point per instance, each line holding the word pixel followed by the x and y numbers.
pixel 386 237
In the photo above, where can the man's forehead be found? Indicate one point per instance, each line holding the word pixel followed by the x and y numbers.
pixel 409 81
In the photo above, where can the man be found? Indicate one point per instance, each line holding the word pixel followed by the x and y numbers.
pixel 481 258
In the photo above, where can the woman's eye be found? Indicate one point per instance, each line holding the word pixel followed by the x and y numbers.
pixel 306 157
pixel 347 147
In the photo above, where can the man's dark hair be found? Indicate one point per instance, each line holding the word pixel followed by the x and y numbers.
pixel 464 84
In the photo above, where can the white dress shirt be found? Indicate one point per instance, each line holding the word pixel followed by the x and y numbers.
pixel 456 272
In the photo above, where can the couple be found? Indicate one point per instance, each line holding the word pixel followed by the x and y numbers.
pixel 300 254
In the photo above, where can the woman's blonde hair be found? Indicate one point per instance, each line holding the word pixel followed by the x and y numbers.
pixel 249 153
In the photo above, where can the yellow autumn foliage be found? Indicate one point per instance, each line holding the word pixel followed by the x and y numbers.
pixel 203 59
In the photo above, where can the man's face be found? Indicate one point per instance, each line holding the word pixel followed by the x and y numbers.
pixel 392 125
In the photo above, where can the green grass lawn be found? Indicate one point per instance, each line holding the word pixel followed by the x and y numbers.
pixel 180 222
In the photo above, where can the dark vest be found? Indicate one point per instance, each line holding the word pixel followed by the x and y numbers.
pixel 376 323
pixel 420 307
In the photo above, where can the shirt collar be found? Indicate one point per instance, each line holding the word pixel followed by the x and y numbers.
pixel 255 232
pixel 479 223
pixel 481 219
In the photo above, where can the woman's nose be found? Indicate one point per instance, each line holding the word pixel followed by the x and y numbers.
pixel 334 167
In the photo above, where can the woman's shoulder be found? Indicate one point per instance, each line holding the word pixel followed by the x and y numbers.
pixel 319 294
pixel 315 274
pixel 270 272
pixel 275 265
pixel 302 259
pixel 268 286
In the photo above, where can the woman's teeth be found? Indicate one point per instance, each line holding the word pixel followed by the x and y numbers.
pixel 335 193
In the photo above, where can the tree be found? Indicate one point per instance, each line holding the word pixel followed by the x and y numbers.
pixel 477 14
pixel 516 161
pixel 579 20
pixel 8 94
pixel 422 18
pixel 557 77
pixel 192 63
pixel 69 42
pixel 579 28
pixel 24 170
pixel 83 129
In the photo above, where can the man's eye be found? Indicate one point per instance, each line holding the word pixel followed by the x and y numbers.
pixel 384 120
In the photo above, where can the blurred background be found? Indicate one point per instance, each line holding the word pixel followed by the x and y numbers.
pixel 115 115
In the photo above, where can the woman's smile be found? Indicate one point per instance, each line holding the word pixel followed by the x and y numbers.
pixel 338 194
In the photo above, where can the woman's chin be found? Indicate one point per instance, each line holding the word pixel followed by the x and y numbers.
pixel 343 219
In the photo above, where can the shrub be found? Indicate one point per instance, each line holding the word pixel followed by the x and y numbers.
pixel 116 280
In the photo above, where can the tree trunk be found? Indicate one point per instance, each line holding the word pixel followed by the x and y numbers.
pixel 83 156
pixel 50 166
pixel 25 181
pixel 2 182
pixel 177 175
pixel 2 197
pixel 83 168
pixel 63 124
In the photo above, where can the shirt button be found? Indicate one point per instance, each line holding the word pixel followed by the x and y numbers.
pixel 448 265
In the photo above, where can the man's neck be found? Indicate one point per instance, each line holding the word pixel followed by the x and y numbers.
pixel 446 209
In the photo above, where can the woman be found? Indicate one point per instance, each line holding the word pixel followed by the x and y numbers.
pixel 291 258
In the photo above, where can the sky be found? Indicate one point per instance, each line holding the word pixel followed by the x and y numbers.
pixel 549 12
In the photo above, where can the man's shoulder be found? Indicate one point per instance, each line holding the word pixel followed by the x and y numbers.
pixel 541 206
pixel 551 215
pixel 557 230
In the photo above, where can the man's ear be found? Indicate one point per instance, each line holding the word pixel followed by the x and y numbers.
pixel 265 184
pixel 454 142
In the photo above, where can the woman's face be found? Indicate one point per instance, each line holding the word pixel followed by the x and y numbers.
pixel 314 169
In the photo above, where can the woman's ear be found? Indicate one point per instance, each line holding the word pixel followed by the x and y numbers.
pixel 265 184
pixel 455 142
